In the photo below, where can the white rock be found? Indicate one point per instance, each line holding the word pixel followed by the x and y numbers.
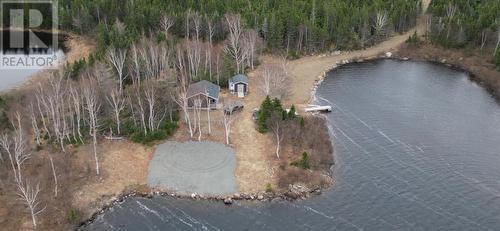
pixel 388 54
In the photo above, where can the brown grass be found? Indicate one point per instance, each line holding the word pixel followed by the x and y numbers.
pixel 123 164
pixel 314 139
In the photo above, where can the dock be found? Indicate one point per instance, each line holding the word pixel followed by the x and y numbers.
pixel 317 108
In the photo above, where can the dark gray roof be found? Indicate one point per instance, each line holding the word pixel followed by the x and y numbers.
pixel 203 87
pixel 239 78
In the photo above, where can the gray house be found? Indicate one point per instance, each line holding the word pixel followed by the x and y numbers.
pixel 238 84
pixel 204 93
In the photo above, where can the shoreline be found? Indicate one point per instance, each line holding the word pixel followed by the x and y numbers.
pixel 476 65
pixel 227 200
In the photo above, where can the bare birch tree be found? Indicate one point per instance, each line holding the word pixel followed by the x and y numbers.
pixel 233 46
pixel 274 80
pixel 227 120
pixel 380 22
pixel 251 44
pixel 116 58
pixel 211 32
pixel 183 82
pixel 117 104
pixel 76 102
pixel 498 40
pixel 92 105
pixel 276 125
pixel 15 145
pixel 166 23
pixel 55 176
pixel 29 195
pixel 34 124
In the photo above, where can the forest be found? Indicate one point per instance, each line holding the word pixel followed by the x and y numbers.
pixel 295 27
pixel 466 24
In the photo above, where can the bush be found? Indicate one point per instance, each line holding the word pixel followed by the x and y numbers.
pixel 73 216
pixel 167 129
pixel 413 39
pixel 269 187
pixel 303 163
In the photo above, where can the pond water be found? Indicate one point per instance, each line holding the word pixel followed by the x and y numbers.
pixel 417 148
pixel 12 77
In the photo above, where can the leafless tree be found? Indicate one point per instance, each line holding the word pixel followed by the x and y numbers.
pixel 52 95
pixel 55 176
pixel 183 82
pixel 188 17
pixel 498 40
pixel 276 125
pixel 153 59
pixel 211 33
pixel 116 58
pixel 117 103
pixel 274 80
pixel 380 22
pixel 227 120
pixel 195 16
pixel 92 105
pixel 251 44
pixel 34 125
pixel 166 23
pixel 135 67
pixel 29 195
pixel 233 46
pixel 451 10
pixel 76 103
pixel 16 147
pixel 156 111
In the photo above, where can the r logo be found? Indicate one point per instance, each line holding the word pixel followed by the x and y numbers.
pixel 29 27
pixel 17 29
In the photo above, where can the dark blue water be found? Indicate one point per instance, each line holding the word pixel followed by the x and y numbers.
pixel 417 148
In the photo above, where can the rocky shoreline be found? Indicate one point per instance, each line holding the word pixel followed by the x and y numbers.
pixel 294 193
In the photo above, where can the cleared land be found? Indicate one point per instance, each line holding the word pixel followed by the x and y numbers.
pixel 205 168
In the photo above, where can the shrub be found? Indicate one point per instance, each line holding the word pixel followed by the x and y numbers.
pixel 303 162
pixel 269 187
pixel 73 216
pixel 162 133
pixel 413 39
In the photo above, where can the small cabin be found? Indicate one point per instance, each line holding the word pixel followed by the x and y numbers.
pixel 238 84
pixel 203 94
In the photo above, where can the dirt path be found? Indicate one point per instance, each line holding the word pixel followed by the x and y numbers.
pixel 307 70
pixel 254 150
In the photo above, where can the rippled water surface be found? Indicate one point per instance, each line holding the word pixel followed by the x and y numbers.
pixel 417 148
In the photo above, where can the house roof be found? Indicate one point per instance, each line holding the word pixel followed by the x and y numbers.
pixel 239 78
pixel 203 87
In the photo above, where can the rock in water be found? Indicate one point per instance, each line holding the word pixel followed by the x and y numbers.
pixel 228 201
